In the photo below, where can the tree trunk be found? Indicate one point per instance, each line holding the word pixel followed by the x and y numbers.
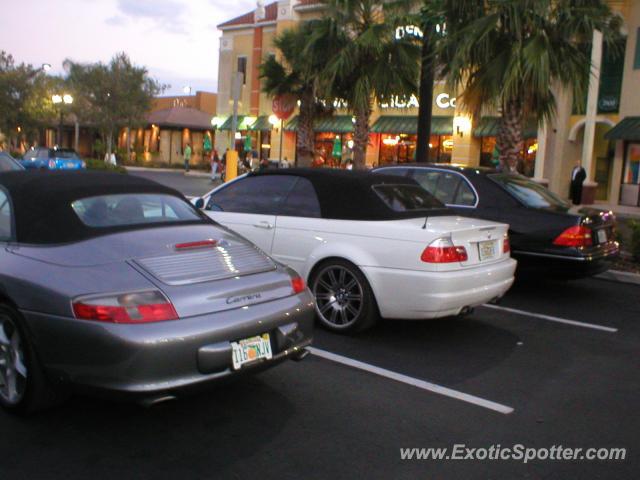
pixel 305 144
pixel 425 110
pixel 128 144
pixel 361 137
pixel 509 141
pixel 109 140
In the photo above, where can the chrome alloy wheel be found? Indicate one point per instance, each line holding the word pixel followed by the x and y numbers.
pixel 339 296
pixel 13 370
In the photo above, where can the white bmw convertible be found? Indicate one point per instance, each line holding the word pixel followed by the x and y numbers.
pixel 368 245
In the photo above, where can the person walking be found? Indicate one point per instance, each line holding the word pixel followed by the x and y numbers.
pixel 216 167
pixel 578 176
pixel 187 157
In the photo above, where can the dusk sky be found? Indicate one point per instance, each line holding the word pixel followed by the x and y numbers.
pixel 176 40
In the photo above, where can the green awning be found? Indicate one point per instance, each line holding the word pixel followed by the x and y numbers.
pixel 627 129
pixel 244 122
pixel 489 126
pixel 409 125
pixel 262 123
pixel 291 125
pixel 227 123
pixel 335 124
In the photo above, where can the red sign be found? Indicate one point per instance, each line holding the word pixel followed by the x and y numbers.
pixel 283 106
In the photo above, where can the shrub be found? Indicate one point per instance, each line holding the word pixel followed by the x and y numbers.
pixel 96 164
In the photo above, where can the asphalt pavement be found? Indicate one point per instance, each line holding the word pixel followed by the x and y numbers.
pixel 192 186
pixel 556 363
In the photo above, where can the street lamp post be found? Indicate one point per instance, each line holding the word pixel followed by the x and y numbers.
pixel 59 101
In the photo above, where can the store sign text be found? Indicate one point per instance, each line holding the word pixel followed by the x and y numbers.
pixel 408 30
pixel 443 100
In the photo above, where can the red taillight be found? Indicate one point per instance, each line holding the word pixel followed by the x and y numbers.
pixel 576 236
pixel 199 244
pixel 139 307
pixel 52 164
pixel 443 251
pixel 298 285
pixel 506 245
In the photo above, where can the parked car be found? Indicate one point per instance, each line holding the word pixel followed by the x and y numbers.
pixel 8 163
pixel 368 245
pixel 119 285
pixel 548 235
pixel 52 159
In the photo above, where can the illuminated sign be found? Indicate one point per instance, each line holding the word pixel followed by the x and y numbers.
pixel 408 30
pixel 445 101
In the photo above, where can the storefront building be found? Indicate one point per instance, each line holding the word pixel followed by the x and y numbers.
pixel 549 152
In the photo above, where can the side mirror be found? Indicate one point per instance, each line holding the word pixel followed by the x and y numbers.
pixel 199 204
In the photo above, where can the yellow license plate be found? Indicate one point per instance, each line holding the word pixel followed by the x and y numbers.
pixel 487 250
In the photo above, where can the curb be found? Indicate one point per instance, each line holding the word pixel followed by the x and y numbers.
pixel 170 170
pixel 618 276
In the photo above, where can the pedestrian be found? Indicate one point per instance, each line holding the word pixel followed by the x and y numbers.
pixel 187 157
pixel 216 167
pixel 285 163
pixel 578 176
pixel 264 164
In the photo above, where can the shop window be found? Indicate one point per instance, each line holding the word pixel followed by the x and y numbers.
pixel 242 68
pixel 332 149
pixel 632 165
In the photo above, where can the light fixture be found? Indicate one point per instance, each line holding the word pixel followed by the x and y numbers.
pixel 462 124
pixel 350 144
pixel 68 99
pixel 353 119
pixel 56 99
pixel 273 120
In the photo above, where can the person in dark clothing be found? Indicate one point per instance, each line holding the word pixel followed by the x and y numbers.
pixel 578 176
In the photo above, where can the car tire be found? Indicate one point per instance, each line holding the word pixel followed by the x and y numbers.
pixel 29 391
pixel 345 302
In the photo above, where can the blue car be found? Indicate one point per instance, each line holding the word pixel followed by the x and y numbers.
pixel 52 159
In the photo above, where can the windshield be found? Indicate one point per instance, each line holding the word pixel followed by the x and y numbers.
pixel 65 154
pixel 406 198
pixel 133 209
pixel 528 192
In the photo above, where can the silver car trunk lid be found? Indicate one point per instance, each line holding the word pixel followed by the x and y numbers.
pixel 227 259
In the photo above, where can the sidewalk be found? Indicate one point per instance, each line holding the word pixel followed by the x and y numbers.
pixel 190 173
pixel 619 210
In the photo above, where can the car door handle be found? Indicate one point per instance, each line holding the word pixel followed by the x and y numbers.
pixel 264 224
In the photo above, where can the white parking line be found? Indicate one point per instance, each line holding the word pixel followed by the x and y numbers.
pixel 553 319
pixel 398 377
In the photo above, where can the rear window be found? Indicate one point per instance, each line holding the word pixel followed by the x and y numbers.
pixel 132 209
pixel 407 198
pixel 528 192
pixel 65 154
pixel 8 164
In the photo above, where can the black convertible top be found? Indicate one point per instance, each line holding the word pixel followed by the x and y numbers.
pixel 348 195
pixel 41 201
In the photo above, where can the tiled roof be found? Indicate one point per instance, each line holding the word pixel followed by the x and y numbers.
pixel 270 11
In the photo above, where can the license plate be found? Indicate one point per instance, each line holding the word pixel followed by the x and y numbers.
pixel 487 249
pixel 602 236
pixel 250 350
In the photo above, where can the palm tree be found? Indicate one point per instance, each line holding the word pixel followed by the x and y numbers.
pixel 507 55
pixel 296 73
pixel 365 62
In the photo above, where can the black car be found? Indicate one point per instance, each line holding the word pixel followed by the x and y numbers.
pixel 548 235
pixel 8 163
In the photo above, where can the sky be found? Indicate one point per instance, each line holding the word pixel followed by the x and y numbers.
pixel 176 40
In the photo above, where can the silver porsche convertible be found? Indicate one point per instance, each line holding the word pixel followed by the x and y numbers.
pixel 115 284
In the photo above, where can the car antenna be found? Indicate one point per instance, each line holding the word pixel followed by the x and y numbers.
pixel 424 227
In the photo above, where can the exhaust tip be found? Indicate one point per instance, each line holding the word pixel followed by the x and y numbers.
pixel 301 355
pixel 466 311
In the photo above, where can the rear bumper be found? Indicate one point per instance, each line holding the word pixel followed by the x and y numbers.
pixel 578 265
pixel 161 357
pixel 410 294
